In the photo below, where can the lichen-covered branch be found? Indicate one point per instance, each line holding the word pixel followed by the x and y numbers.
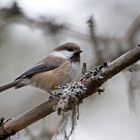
pixel 24 120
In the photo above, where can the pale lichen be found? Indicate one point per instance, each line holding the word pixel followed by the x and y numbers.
pixel 96 72
pixel 68 98
pixel 69 92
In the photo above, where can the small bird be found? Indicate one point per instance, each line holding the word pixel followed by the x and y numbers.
pixel 59 68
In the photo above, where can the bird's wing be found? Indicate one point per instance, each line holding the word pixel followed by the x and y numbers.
pixel 37 69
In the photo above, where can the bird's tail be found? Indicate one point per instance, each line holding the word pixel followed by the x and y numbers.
pixel 10 85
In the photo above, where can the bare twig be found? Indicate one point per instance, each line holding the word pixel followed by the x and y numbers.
pixel 95 41
pixel 22 121
pixel 133 30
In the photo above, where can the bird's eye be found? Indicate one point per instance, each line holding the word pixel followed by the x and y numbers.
pixel 70 49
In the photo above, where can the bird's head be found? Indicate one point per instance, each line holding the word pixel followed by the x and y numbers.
pixel 69 51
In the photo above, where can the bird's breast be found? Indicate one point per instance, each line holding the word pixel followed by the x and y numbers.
pixel 49 80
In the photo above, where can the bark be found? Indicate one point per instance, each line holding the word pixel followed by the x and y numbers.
pixel 24 120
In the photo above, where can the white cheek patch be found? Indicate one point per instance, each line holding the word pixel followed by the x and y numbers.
pixel 62 54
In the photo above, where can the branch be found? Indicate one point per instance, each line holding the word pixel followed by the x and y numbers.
pixel 22 121
pixel 133 29
pixel 95 41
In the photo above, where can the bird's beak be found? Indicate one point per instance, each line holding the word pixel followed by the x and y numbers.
pixel 78 51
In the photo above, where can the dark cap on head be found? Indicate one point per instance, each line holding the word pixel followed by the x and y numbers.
pixel 68 47
pixel 71 47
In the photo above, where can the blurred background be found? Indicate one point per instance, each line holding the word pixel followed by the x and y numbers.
pixel 30 29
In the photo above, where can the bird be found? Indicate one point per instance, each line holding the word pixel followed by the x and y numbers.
pixel 57 69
